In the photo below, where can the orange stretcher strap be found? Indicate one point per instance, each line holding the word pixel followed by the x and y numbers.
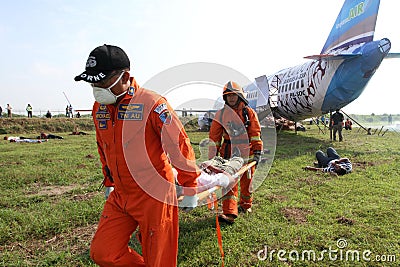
pixel 217 226
pixel 219 235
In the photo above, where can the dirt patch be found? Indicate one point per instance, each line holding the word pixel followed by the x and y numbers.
pixel 297 215
pixel 277 198
pixel 54 190
pixel 345 221
pixel 78 241
pixel 81 166
pixel 363 164
pixel 11 163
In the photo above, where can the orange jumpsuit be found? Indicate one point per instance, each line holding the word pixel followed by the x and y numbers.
pixel 240 140
pixel 138 140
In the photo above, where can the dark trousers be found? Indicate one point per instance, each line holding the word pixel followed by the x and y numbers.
pixel 338 129
pixel 324 159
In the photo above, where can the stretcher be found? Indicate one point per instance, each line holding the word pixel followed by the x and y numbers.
pixel 208 194
pixel 203 195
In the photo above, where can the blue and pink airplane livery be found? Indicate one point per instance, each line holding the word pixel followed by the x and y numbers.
pixel 332 79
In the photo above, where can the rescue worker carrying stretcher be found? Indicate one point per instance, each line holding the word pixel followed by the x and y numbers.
pixel 135 131
pixel 236 131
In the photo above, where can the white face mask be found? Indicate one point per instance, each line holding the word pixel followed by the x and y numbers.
pixel 104 95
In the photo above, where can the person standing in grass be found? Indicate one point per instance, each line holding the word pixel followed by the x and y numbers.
pixel 29 110
pixel 139 136
pixel 337 124
pixel 238 126
pixel 9 111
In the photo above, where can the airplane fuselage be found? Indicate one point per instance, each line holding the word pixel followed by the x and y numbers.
pixel 320 86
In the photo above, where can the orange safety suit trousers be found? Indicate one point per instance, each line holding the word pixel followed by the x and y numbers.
pixel 123 213
pixel 229 202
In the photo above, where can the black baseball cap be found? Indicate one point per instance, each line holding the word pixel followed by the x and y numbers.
pixel 102 61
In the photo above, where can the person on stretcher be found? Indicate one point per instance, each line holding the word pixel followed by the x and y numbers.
pixel 215 172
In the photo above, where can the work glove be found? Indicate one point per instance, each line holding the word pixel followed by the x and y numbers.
pixel 257 156
pixel 188 203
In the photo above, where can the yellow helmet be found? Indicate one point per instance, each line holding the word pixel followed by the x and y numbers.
pixel 234 88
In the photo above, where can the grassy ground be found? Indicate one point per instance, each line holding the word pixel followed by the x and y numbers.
pixel 50 204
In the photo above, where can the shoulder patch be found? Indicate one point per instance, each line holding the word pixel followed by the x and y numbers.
pixel 166 117
pixel 160 108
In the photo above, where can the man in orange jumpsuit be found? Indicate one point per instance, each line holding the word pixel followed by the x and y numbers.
pixel 237 125
pixel 139 138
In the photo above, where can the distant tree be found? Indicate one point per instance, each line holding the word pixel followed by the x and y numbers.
pixel 372 114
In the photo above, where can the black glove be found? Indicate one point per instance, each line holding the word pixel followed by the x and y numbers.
pixel 257 156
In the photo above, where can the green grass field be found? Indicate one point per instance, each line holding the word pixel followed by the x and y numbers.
pixel 50 203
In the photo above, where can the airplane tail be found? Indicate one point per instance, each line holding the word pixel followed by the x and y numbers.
pixel 354 25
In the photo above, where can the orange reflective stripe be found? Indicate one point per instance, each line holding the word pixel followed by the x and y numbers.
pixel 229 197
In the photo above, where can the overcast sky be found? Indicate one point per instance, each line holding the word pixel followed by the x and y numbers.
pixel 45 43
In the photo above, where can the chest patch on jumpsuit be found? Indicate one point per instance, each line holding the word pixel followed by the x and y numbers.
pixel 133 112
pixel 102 116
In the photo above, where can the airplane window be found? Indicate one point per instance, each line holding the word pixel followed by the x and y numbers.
pixel 302 83
pixel 290 87
pixel 298 84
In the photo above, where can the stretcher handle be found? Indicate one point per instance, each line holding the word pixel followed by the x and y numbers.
pixel 204 194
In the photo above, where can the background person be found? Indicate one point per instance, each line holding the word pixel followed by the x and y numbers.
pixel 9 111
pixel 48 114
pixel 236 131
pixel 49 136
pixel 337 124
pixel 29 110
pixel 135 130
pixel 331 162
pixel 70 111
pixel 348 124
